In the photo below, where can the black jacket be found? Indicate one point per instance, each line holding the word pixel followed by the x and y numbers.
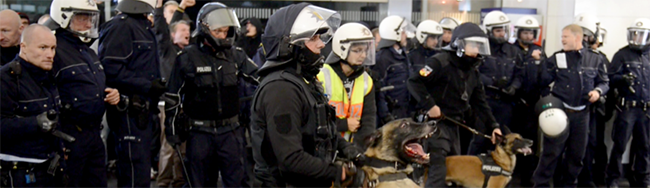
pixel 584 71
pixel 530 88
pixel 167 50
pixel 80 79
pixel 8 54
pixel 368 115
pixel 505 61
pixel 27 91
pixel 444 81
pixel 393 69
pixel 419 55
pixel 631 61
pixel 250 44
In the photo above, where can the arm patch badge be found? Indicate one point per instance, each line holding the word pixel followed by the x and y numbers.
pixel 424 72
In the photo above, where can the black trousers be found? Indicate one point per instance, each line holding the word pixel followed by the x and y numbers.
pixel 631 122
pixel 86 164
pixel 210 154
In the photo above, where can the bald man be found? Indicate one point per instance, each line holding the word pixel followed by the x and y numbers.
pixel 29 150
pixel 10 29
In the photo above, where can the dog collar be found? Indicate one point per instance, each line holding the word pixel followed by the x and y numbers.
pixel 378 163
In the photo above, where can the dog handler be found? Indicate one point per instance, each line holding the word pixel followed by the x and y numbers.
pixel 449 83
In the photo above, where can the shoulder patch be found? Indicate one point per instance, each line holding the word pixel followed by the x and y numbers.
pixel 425 71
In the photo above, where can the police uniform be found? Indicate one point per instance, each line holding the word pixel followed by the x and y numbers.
pixel 7 54
pixel 205 81
pixel 128 53
pixel 419 55
pixel 575 73
pixel 28 156
pixel 394 67
pixel 634 118
pixel 81 82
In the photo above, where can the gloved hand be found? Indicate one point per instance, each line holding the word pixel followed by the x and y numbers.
pixel 47 120
pixel 355 155
pixel 172 139
pixel 502 82
pixel 180 132
pixel 629 79
pixel 509 91
pixel 157 88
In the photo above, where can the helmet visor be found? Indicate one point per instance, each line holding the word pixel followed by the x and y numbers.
pixel 500 31
pixel 527 34
pixel 314 20
pixel 408 28
pixel 601 35
pixel 84 23
pixel 638 37
pixel 361 52
pixel 474 45
pixel 223 17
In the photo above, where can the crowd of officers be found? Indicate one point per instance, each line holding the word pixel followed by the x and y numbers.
pixel 267 106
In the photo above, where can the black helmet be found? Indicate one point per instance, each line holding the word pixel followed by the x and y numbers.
pixel 136 6
pixel 213 16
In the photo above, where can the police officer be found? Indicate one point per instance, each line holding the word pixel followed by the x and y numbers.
pixel 204 81
pixel 631 74
pixel 580 78
pixel 501 73
pixel 427 35
pixel 82 85
pixel 10 37
pixel 293 133
pixel 393 66
pixel 30 154
pixel 128 52
pixel 449 84
pixel 527 31
pixel 448 25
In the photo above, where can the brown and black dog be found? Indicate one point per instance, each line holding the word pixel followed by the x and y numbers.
pixel 391 150
pixel 467 171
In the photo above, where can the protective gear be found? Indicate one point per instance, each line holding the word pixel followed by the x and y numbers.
pixel 426 29
pixel 213 16
pixel 63 14
pixel 313 20
pixel 351 35
pixel 602 33
pixel 552 118
pixel 478 45
pixel 590 24
pixel 136 6
pixel 47 120
pixel 392 27
pixel 527 23
pixel 638 34
pixel 449 23
pixel 497 20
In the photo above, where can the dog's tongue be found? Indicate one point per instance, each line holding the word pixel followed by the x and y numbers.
pixel 417 148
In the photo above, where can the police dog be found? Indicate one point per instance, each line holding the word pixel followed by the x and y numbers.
pixel 467 171
pixel 391 150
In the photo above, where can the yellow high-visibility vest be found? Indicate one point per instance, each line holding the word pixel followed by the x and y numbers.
pixel 346 106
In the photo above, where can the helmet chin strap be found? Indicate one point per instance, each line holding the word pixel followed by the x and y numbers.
pixel 81 35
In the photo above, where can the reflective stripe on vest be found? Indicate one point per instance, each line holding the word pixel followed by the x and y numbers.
pixel 338 97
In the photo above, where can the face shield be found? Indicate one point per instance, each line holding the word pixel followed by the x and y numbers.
pixel 638 37
pixel 527 35
pixel 407 28
pixel 314 20
pixel 500 32
pixel 361 52
pixel 223 17
pixel 601 36
pixel 472 45
pixel 84 24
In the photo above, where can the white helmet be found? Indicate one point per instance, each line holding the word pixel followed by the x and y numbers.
pixel 552 119
pixel 428 28
pixel 638 34
pixel 494 20
pixel 589 23
pixel 135 6
pixel 67 13
pixel 527 23
pixel 314 20
pixel 449 23
pixel 392 27
pixel 354 38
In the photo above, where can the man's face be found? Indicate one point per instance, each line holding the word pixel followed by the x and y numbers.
pixel 377 39
pixel 315 44
pixel 169 12
pixel 251 30
pixel 446 35
pixel 10 32
pixel 220 33
pixel 499 33
pixel 569 40
pixel 527 35
pixel 471 49
pixel 357 54
pixel 24 21
pixel 431 42
pixel 40 49
pixel 181 36
pixel 81 22
pixel 403 42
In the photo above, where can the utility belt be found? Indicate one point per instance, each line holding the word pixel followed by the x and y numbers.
pixel 633 104
pixel 51 165
pixel 215 126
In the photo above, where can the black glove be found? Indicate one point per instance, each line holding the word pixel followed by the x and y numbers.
pixel 501 83
pixel 179 133
pixel 157 88
pixel 509 91
pixel 355 155
pixel 47 121
pixel 172 139
pixel 629 79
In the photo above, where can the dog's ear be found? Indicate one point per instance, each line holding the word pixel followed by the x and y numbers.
pixel 374 139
